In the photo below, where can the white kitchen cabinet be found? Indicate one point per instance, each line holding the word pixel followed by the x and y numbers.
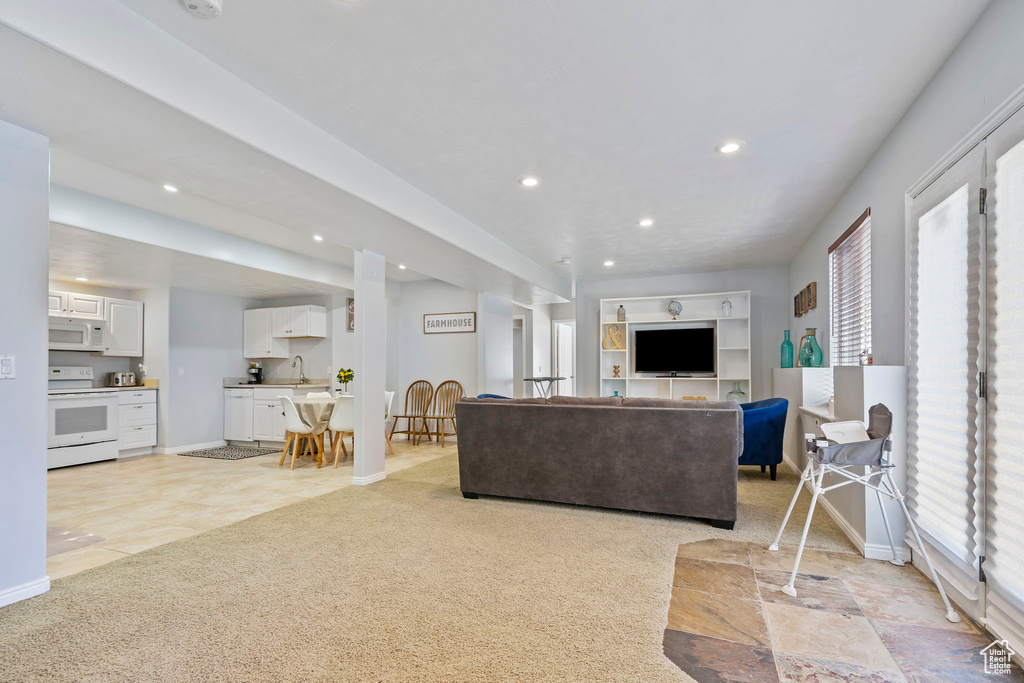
pixel 268 414
pixel 238 415
pixel 84 306
pixel 124 327
pixel 290 322
pixel 58 304
pixel 136 422
pixel 258 340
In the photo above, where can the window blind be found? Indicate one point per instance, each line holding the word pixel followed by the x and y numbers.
pixel 1004 564
pixel 945 343
pixel 850 281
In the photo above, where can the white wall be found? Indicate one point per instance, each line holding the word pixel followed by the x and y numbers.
pixel 24 224
pixel 769 303
pixel 981 73
pixel 205 345
pixel 434 357
pixel 494 344
pixel 541 341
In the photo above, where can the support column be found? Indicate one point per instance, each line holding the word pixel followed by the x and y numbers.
pixel 370 368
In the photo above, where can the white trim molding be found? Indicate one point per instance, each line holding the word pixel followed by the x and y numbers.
pixel 363 481
pixel 174 450
pixel 24 591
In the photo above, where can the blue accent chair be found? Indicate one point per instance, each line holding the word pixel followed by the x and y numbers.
pixel 764 425
pixel 491 396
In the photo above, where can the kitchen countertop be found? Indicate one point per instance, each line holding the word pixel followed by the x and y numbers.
pixel 243 383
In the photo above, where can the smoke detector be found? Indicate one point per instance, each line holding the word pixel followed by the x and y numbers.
pixel 204 9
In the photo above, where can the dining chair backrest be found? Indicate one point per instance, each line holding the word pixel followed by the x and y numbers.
pixel 343 416
pixel 417 397
pixel 389 401
pixel 447 395
pixel 292 422
pixel 318 394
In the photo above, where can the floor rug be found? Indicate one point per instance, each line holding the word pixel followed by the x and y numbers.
pixel 230 452
pixel 401 580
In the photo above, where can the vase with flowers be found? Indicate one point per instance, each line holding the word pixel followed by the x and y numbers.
pixel 344 377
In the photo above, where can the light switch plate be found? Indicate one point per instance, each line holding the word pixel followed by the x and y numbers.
pixel 7 369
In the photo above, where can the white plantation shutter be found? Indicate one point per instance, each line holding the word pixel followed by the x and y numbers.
pixel 849 261
pixel 945 340
pixel 1004 564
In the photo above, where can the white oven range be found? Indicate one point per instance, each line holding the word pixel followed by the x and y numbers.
pixel 82 422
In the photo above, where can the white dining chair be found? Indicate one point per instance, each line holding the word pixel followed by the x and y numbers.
pixel 389 400
pixel 297 430
pixel 341 424
pixel 319 394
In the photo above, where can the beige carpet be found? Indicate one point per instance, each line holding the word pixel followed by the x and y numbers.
pixel 403 580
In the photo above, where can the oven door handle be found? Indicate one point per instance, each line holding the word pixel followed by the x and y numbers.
pixel 73 397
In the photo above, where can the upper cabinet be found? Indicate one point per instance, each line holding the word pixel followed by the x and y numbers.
pixel 70 305
pixel 289 322
pixel 124 327
pixel 84 306
pixel 258 338
pixel 58 304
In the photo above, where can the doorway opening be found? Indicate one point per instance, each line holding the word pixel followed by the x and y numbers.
pixel 563 356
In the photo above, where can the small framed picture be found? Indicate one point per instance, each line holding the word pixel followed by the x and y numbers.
pixel 812 295
pixel 803 301
pixel 796 306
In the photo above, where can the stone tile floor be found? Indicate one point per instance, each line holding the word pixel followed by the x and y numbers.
pixel 101 512
pixel 852 620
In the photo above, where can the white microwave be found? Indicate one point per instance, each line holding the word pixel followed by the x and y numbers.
pixel 76 334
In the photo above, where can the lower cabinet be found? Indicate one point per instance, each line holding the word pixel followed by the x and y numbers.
pixel 254 414
pixel 136 421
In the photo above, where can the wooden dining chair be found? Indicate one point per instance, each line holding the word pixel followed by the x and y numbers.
pixel 417 403
pixel 447 395
pixel 389 402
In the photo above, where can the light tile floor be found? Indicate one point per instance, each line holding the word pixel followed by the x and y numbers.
pixel 122 507
pixel 852 620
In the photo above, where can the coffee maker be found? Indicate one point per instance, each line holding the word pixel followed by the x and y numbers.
pixel 255 373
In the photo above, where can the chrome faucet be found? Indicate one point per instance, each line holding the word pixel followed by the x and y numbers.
pixel 302 378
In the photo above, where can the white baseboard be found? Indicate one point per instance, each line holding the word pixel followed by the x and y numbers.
pixel 174 450
pixel 24 591
pixel 872 551
pixel 363 481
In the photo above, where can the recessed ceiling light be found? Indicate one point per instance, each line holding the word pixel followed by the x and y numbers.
pixel 82 279
pixel 401 267
pixel 609 263
pixel 645 222
pixel 730 147
pixel 170 188
pixel 529 181
pixel 318 238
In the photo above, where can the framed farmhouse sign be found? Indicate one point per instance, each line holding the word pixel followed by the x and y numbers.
pixel 440 323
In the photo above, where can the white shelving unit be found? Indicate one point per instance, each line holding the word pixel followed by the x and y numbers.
pixel 732 341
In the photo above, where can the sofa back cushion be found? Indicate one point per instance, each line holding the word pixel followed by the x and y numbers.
pixel 672 403
pixel 586 400
pixel 507 401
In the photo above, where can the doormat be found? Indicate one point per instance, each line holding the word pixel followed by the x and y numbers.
pixel 230 452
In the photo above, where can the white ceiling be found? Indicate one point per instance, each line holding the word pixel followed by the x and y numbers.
pixel 125 264
pixel 617 107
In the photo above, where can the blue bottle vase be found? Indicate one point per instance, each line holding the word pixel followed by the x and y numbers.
pixel 811 355
pixel 787 352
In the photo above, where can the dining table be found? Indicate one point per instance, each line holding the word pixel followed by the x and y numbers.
pixel 316 411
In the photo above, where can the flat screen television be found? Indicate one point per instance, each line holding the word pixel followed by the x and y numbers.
pixel 683 351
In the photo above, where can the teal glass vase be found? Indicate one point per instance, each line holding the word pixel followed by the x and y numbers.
pixel 787 352
pixel 810 353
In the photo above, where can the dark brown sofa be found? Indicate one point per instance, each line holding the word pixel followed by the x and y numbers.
pixel 651 455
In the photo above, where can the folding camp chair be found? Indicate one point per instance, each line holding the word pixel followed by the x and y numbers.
pixel 850 445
